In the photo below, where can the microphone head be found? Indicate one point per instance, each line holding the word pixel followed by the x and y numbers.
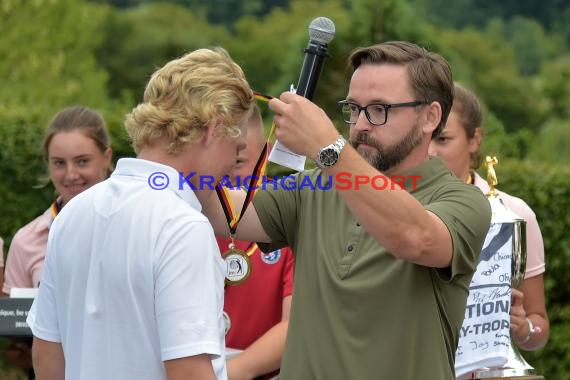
pixel 321 30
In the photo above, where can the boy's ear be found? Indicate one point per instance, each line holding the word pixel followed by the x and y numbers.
pixel 211 133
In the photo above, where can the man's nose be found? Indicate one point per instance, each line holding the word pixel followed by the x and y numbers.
pixel 362 124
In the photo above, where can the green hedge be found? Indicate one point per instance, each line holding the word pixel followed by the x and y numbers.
pixel 546 189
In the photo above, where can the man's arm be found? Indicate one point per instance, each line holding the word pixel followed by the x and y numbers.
pixel 394 218
pixel 48 359
pixel 249 227
pixel 198 367
pixel 264 355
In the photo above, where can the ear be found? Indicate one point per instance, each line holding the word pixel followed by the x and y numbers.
pixel 432 116
pixel 475 141
pixel 211 133
pixel 108 154
pixel 107 157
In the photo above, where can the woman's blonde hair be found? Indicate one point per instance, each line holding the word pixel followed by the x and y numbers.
pixel 189 94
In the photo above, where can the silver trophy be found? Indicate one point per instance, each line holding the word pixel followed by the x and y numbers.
pixel 516 365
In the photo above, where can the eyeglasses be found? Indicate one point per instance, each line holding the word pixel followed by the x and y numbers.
pixel 376 113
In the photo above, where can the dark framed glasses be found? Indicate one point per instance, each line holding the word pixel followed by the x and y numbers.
pixel 376 113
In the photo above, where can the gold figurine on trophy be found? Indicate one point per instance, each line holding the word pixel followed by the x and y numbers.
pixel 490 163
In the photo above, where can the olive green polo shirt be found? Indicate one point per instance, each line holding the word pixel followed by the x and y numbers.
pixel 358 312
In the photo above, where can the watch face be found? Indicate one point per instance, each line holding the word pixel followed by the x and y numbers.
pixel 328 157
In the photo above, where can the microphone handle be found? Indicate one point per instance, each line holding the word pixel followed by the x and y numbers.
pixel 315 55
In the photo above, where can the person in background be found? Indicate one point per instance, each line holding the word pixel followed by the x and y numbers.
pixel 78 152
pixel 133 280
pixel 459 146
pixel 381 272
pixel 257 310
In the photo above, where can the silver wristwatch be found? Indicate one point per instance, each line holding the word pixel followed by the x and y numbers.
pixel 329 155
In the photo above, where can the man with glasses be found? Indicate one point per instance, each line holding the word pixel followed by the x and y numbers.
pixel 381 276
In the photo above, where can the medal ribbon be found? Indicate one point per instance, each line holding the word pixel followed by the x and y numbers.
pixel 55 208
pixel 252 248
pixel 254 183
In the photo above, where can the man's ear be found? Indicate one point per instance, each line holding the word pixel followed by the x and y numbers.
pixel 432 117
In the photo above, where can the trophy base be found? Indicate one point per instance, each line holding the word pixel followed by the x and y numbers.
pixel 511 374
pixel 525 372
pixel 524 377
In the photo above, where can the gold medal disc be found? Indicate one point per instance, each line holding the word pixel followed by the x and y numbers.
pixel 238 266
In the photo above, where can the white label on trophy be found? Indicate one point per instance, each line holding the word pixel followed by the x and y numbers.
pixel 484 337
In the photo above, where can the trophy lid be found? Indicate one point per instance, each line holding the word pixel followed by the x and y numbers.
pixel 500 213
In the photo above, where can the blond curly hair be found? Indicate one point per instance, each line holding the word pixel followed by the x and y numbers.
pixel 189 94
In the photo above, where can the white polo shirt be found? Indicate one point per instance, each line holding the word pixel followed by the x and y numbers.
pixel 133 277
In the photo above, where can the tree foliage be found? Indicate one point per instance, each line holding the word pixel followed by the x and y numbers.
pixel 139 40
pixel 488 63
pixel 47 62
pixel 46 54
pixel 555 84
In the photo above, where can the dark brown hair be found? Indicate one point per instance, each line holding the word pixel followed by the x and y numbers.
pixel 470 114
pixel 87 120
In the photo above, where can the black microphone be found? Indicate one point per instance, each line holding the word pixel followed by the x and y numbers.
pixel 321 33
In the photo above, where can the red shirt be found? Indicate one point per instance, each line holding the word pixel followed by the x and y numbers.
pixel 255 305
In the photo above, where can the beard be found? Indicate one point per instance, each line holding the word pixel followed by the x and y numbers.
pixel 388 156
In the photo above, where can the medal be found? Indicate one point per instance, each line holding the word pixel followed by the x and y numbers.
pixel 238 265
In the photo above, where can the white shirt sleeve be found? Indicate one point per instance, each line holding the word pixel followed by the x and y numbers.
pixel 42 317
pixel 189 289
